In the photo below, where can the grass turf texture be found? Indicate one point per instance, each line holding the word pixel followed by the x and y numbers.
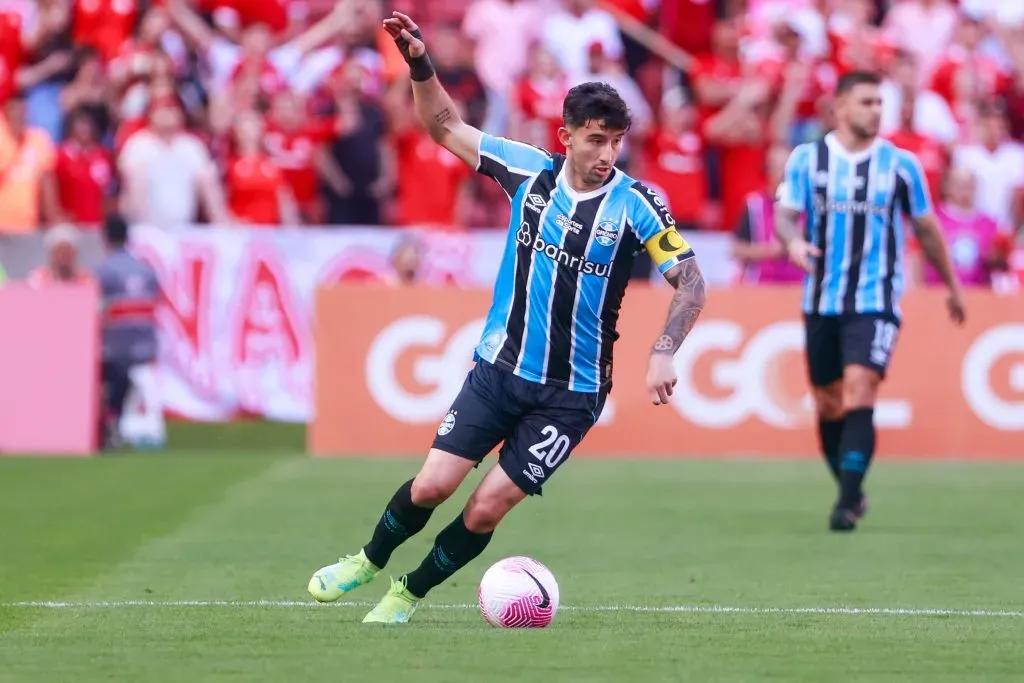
pixel 245 517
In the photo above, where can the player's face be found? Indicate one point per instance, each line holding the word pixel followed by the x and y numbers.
pixel 592 150
pixel 860 110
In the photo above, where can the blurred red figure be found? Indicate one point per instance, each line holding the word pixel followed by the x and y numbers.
pixel 137 57
pixel 855 41
pixel 740 132
pixel 433 184
pixel 257 52
pixel 11 52
pixel 933 156
pixel 675 160
pixel 821 77
pixel 687 23
pixel 104 24
pixel 257 191
pixel 292 141
pixel 537 105
pixel 964 73
pixel 239 14
pixel 718 76
pixel 85 172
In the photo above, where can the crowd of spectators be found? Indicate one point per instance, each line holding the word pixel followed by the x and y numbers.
pixel 268 112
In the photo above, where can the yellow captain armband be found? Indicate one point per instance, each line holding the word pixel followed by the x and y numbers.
pixel 667 249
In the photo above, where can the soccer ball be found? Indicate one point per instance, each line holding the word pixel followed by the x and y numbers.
pixel 518 592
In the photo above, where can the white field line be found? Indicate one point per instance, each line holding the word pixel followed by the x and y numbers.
pixel 687 609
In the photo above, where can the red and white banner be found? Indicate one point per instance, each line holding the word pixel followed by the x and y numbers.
pixel 236 333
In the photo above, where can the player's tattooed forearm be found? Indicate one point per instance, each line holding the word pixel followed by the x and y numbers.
pixel 443 116
pixel 687 303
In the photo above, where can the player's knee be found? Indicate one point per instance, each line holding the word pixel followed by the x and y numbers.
pixel 830 408
pixel 430 492
pixel 860 391
pixel 482 514
pixel 829 404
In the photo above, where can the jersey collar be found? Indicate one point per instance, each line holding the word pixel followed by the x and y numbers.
pixel 563 185
pixel 837 148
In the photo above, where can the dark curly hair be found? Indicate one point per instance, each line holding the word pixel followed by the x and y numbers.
pixel 595 102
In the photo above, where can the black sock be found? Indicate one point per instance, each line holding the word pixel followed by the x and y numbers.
pixel 401 519
pixel 454 548
pixel 829 432
pixel 856 446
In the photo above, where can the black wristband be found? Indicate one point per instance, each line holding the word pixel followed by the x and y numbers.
pixel 420 68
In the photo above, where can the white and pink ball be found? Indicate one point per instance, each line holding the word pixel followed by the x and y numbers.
pixel 518 592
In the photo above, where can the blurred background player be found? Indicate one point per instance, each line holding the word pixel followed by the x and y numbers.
pixel 544 363
pixel 853 188
pixel 129 291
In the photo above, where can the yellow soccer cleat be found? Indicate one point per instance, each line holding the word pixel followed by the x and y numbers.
pixel 396 607
pixel 331 582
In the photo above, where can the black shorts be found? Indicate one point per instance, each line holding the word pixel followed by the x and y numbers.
pixel 539 424
pixel 835 341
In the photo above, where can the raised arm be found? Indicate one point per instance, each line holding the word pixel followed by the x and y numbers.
pixel 933 246
pixel 191 25
pixel 434 107
pixel 327 28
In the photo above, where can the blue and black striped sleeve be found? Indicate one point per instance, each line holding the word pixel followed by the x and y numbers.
pixel 656 229
pixel 510 162
pixel 917 201
pixel 795 189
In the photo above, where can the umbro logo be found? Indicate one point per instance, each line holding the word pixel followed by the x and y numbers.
pixel 536 469
pixel 535 202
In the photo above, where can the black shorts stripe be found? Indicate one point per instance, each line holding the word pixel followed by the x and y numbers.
pixel 821 220
pixel 860 224
pixel 543 185
pixel 560 315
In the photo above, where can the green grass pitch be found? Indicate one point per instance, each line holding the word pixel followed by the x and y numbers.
pixel 229 523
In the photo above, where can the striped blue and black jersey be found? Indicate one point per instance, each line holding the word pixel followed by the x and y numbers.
pixel 854 204
pixel 565 267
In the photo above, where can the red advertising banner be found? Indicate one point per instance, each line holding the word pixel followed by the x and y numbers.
pixel 390 361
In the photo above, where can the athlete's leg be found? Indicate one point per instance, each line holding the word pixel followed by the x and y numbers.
pixel 857 445
pixel 405 515
pixel 867 343
pixel 478 421
pixel 411 506
pixel 466 537
pixel 825 368
pixel 828 402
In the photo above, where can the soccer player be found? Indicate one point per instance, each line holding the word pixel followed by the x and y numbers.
pixel 544 361
pixel 853 189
